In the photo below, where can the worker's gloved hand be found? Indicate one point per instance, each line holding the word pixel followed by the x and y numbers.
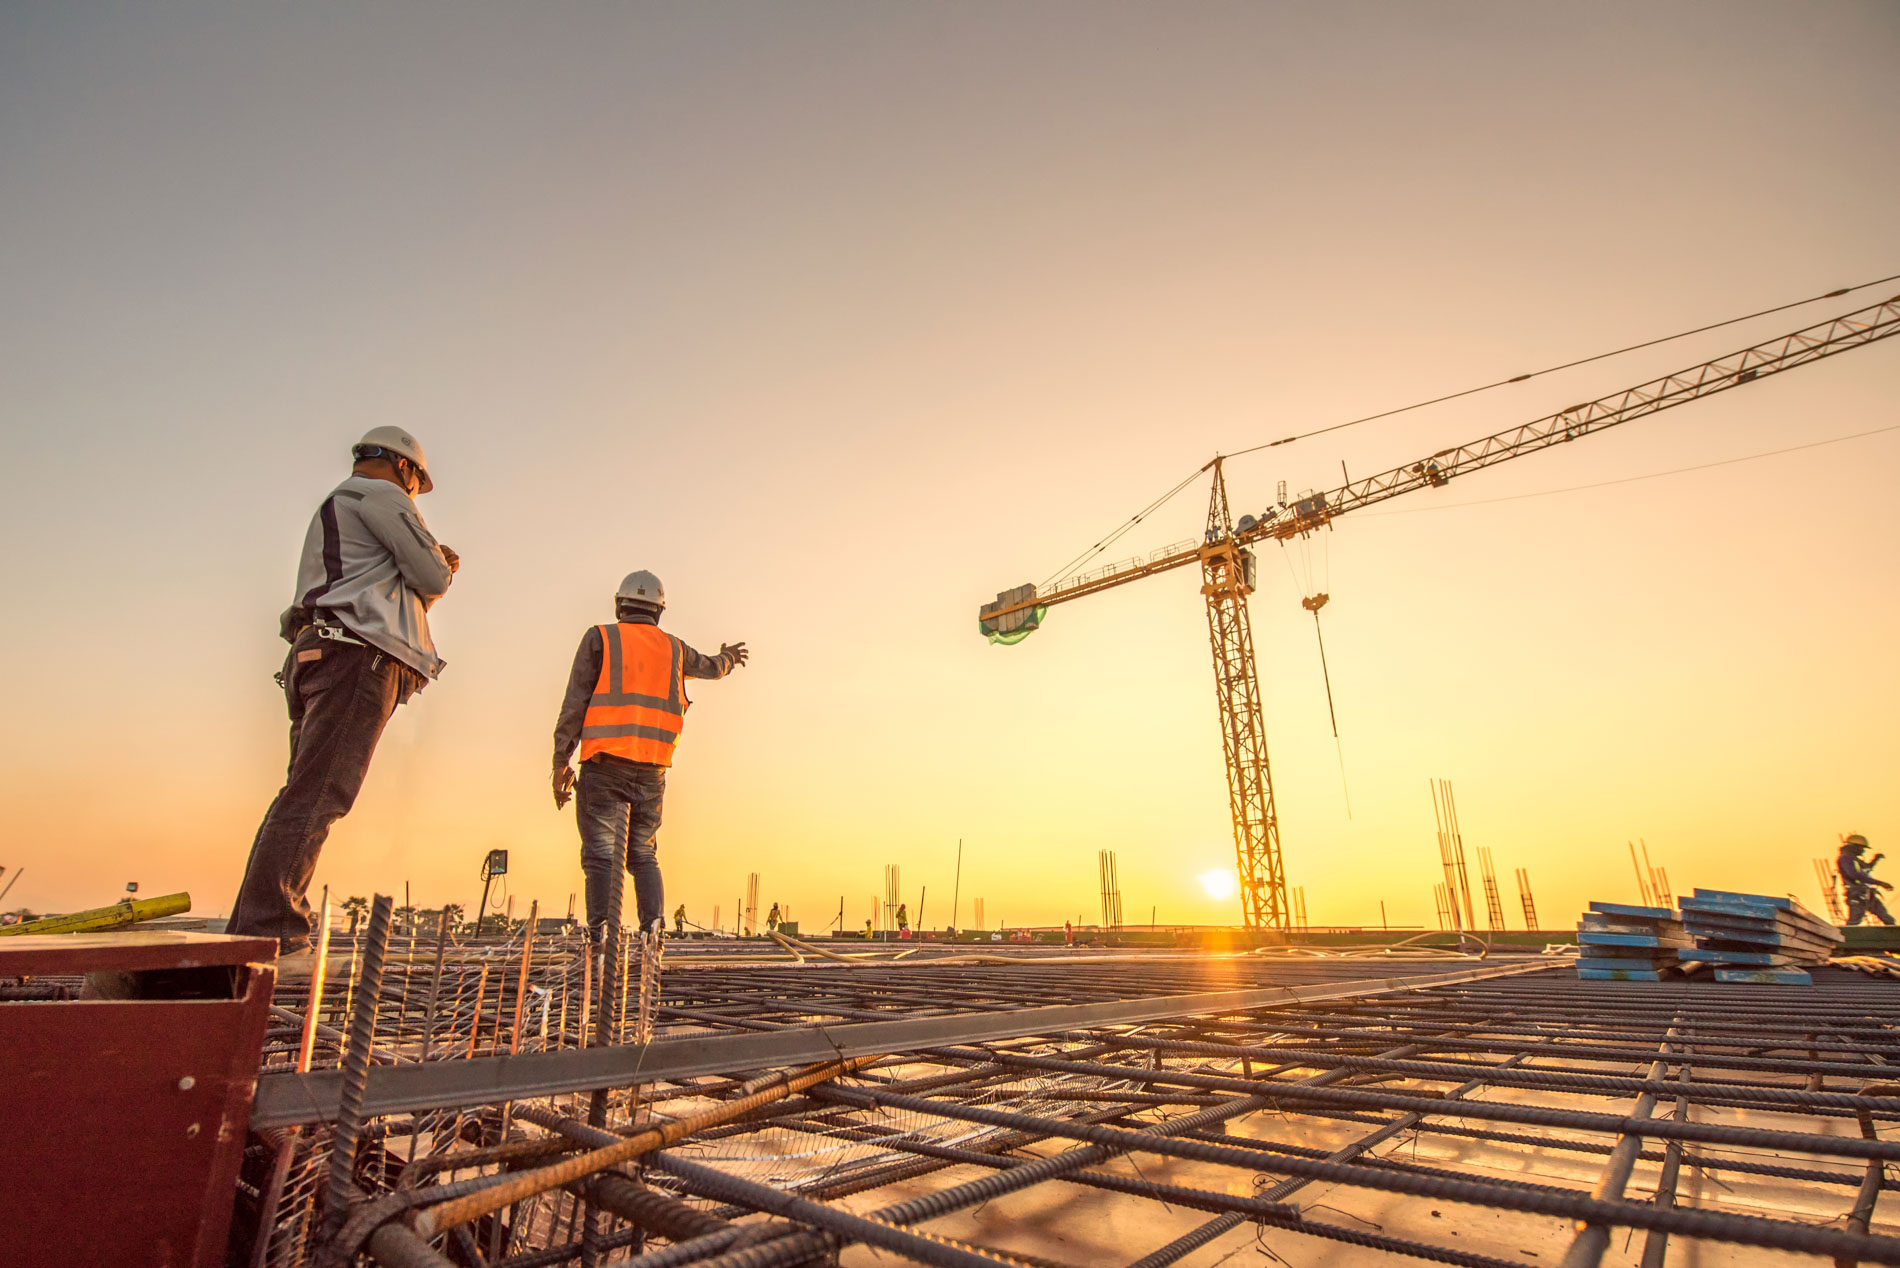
pixel 737 652
pixel 563 784
pixel 453 560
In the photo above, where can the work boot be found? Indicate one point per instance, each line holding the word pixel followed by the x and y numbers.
pixel 301 966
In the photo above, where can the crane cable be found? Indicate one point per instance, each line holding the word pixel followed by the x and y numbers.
pixel 1127 525
pixel 1313 599
pixel 1568 365
pixel 1339 749
pixel 1648 475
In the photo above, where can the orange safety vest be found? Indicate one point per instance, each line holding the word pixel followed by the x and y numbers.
pixel 639 703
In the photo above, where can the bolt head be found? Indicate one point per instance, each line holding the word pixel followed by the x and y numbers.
pixel 187 1083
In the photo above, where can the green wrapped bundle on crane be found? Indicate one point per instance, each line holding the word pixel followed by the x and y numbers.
pixel 1008 627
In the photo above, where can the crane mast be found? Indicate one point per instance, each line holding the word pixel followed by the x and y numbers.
pixel 1227 578
pixel 1227 565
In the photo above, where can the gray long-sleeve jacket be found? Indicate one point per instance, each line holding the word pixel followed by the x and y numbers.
pixel 585 674
pixel 370 564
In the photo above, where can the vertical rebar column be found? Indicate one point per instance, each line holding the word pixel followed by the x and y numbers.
pixel 1458 848
pixel 273 1193
pixel 362 1034
pixel 435 982
pixel 605 936
pixel 521 983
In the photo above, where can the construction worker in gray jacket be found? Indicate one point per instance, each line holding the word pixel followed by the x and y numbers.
pixel 625 704
pixel 358 629
pixel 1858 882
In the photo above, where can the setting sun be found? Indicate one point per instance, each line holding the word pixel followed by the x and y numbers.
pixel 1219 883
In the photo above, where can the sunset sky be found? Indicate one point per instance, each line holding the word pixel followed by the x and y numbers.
pixel 842 318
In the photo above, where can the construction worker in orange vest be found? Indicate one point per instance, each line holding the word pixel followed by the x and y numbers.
pixel 625 704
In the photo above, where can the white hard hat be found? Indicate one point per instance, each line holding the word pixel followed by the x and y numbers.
pixel 642 587
pixel 394 440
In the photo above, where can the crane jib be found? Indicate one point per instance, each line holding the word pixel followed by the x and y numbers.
pixel 1314 511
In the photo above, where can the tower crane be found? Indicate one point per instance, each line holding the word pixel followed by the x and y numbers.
pixel 1226 560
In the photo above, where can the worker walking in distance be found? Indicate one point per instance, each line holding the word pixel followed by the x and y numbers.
pixel 771 919
pixel 679 919
pixel 625 704
pixel 358 629
pixel 903 918
pixel 1857 880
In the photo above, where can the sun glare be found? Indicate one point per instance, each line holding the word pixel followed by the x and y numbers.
pixel 1219 883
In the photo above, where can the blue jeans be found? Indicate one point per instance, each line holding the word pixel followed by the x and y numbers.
pixel 617 807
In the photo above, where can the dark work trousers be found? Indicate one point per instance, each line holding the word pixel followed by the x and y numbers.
pixel 341 695
pixel 617 808
pixel 1862 903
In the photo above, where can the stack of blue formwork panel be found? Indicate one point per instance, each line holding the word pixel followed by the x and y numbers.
pixel 1629 944
pixel 1756 937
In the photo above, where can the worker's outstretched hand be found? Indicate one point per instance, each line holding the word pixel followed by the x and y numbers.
pixel 563 784
pixel 737 652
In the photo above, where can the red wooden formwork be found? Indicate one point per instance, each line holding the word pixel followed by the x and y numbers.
pixel 123 1121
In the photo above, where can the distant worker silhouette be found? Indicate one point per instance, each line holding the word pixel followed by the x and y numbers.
pixel 679 919
pixel 1857 879
pixel 625 704
pixel 903 919
pixel 771 919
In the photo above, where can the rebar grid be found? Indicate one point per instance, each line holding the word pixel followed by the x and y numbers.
pixel 1511 1105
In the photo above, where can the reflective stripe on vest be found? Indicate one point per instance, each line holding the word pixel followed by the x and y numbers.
pixel 639 702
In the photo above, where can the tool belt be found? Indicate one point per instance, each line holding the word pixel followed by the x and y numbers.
pixel 295 620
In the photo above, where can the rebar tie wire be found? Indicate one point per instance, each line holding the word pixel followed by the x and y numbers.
pixel 454 1205
pixel 1716 1226
pixel 1789 1099
pixel 885 1225
pixel 1537 1116
pixel 1012 1176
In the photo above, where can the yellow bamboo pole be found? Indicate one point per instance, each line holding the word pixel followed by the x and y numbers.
pixel 98 919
